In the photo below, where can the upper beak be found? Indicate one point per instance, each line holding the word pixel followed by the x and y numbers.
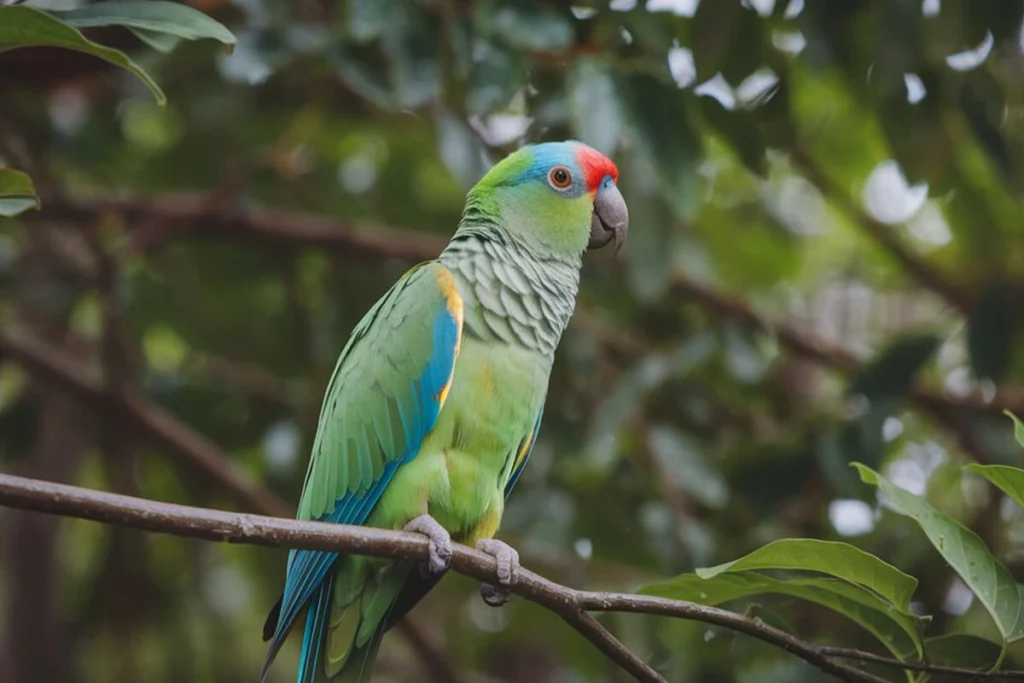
pixel 610 221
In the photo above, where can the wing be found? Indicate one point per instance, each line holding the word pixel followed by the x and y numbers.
pixel 387 390
pixel 417 585
pixel 524 453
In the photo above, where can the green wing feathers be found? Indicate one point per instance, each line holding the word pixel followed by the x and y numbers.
pixel 384 397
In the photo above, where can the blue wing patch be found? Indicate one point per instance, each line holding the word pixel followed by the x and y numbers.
pixel 308 569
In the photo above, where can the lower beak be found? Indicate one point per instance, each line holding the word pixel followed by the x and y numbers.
pixel 610 221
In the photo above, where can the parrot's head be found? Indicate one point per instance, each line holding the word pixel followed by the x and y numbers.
pixel 559 198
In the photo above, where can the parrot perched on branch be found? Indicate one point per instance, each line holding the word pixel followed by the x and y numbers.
pixel 436 399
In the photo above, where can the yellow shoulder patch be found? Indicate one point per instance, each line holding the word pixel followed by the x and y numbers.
pixel 453 302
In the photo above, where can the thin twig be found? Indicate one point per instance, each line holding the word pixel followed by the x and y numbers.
pixel 860 655
pixel 570 604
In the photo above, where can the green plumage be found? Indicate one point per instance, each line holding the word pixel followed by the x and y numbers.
pixel 435 400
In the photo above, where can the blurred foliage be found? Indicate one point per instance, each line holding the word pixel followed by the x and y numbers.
pixel 825 267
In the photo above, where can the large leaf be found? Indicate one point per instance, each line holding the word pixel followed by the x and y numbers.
pixel 1009 479
pixel 839 560
pixel 965 552
pixel 149 16
pixel 17 193
pixel 27 27
pixel 990 333
pixel 898 630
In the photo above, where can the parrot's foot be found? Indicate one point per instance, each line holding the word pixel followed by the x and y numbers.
pixel 508 568
pixel 440 544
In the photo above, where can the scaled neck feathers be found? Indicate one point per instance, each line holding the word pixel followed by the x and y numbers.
pixel 511 294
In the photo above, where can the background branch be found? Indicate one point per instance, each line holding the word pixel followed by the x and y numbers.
pixel 570 604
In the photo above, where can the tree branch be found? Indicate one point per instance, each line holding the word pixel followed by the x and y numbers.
pixel 570 604
pixel 189 214
pixel 918 268
pixel 41 359
pixel 940 406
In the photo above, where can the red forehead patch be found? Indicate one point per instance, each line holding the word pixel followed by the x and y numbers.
pixel 595 167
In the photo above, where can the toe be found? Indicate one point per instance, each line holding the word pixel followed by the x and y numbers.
pixel 493 596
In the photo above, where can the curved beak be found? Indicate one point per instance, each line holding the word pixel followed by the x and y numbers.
pixel 610 221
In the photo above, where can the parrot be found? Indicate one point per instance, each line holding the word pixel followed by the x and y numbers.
pixel 436 400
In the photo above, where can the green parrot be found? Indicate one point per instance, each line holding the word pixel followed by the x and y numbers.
pixel 436 399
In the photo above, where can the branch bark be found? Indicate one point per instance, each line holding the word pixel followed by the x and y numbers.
pixel 573 606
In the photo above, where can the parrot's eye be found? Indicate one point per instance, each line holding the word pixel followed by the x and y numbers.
pixel 559 177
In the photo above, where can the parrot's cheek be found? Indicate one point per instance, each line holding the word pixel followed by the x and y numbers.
pixel 610 222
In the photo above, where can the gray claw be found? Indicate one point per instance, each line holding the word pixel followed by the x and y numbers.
pixel 508 567
pixel 440 544
pixel 506 556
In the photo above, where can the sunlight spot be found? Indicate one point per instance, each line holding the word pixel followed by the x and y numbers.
pixel 851 517
pixel 682 8
pixel 931 8
pixel 357 174
pixel 680 65
pixel 891 429
pixel 789 42
pixel 622 5
pixel 958 598
pixel 718 88
pixel 915 88
pixel 888 197
pixel 794 9
pixel 756 85
pixel 281 446
pixel 584 547
pixel 930 226
pixel 973 58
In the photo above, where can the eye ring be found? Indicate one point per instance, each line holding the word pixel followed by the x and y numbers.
pixel 560 178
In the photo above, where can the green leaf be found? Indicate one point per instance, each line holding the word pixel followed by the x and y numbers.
pixel 710 35
pixel 596 110
pixel 963 650
pixel 990 333
pixel 962 549
pixel 892 372
pixel 1008 479
pixel 17 193
pixel 12 206
pixel 151 16
pixel 22 26
pixel 666 134
pixel 1018 427
pixel 839 560
pixel 898 630
pixel 163 43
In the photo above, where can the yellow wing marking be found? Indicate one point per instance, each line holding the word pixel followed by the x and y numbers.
pixel 453 302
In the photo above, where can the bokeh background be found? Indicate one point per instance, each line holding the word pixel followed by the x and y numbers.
pixel 825 265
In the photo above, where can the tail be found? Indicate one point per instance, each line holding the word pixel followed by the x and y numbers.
pixel 346 620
